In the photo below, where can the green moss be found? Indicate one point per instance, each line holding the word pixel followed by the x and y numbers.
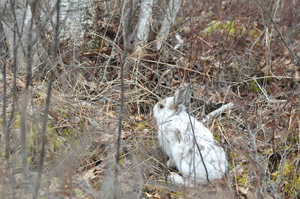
pixel 78 193
pixel 216 137
pixel 289 175
pixel 233 156
pixel 66 132
pixel 17 122
pixel 242 180
pixel 99 44
pixel 228 25
pixel 59 144
pixel 29 160
pixel 122 158
pixel 50 130
pixel 254 87
pixel 141 125
pixel 254 33
pixel 93 155
pixel 63 112
pixel 268 152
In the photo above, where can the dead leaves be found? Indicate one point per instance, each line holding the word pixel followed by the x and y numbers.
pixel 153 195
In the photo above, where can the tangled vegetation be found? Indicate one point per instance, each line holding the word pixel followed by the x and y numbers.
pixel 232 53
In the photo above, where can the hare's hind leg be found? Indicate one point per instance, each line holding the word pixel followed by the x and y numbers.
pixel 175 178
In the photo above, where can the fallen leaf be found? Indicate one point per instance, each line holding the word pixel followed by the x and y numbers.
pixel 155 195
pixel 243 191
pixel 143 117
pixel 53 187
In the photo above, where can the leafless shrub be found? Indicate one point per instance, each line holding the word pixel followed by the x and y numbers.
pixel 231 52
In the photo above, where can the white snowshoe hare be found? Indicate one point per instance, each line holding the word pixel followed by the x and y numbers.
pixel 175 135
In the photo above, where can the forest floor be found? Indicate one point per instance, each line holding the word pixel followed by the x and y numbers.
pixel 235 55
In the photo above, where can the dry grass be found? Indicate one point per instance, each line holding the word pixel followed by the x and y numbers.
pixel 241 60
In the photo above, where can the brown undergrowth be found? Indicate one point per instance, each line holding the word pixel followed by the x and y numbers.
pixel 232 53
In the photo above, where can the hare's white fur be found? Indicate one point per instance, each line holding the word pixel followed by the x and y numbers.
pixel 176 138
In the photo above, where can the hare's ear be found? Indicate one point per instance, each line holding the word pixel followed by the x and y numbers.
pixel 182 95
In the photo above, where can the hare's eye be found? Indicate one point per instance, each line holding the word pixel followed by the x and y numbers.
pixel 161 106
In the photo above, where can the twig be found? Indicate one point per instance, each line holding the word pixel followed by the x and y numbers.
pixel 253 145
pixel 113 47
pixel 53 63
pixel 26 95
pixel 161 132
pixel 194 137
pixel 126 42
pixel 3 58
pixel 297 194
pixel 262 89
pixel 278 31
pixel 217 112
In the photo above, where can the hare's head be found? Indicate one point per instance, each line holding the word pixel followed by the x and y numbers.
pixel 170 106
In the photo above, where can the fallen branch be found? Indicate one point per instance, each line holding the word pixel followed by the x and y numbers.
pixel 217 112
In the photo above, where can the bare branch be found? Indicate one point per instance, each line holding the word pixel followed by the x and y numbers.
pixel 126 30
pixel 53 63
